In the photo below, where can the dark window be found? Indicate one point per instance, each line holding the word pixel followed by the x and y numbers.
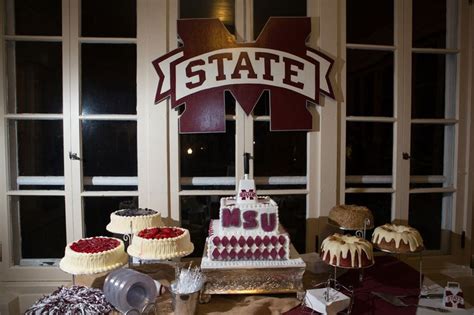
pixel 97 212
pixel 429 23
pixel 38 78
pixel 109 148
pixel 40 147
pixel 369 83
pixel 196 215
pixel 208 154
pixel 109 79
pixel 43 226
pixel 425 214
pixel 427 149
pixel 221 9
pixel 428 86
pixel 369 148
pixel 33 17
pixel 109 18
pixel 370 22
pixel 292 215
pixel 264 9
pixel 278 153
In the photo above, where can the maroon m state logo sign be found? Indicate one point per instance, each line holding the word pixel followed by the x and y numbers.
pixel 212 62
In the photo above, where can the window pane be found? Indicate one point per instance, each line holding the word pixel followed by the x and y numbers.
pixel 427 149
pixel 365 27
pixel 428 86
pixel 196 214
pixel 97 212
pixel 33 17
pixel 429 23
pixel 262 108
pixel 278 153
pixel 221 9
pixel 264 9
pixel 423 206
pixel 109 148
pixel 40 147
pixel 109 79
pixel 379 204
pixel 369 83
pixel 42 224
pixel 109 18
pixel 38 78
pixel 209 154
pixel 369 148
pixel 292 215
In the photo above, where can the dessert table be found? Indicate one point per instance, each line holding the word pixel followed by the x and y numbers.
pixel 388 275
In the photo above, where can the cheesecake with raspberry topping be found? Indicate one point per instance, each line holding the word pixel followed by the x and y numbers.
pixel 130 221
pixel 93 255
pixel 161 243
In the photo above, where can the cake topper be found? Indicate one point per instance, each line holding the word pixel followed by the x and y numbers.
pixel 247 193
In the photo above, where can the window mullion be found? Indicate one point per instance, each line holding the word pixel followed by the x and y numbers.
pixel 401 167
pixel 66 116
pixel 74 128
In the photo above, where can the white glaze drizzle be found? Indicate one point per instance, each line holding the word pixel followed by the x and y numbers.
pixel 339 246
pixel 398 233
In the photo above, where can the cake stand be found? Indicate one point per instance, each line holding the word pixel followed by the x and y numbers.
pixel 253 277
pixel 359 232
pixel 420 261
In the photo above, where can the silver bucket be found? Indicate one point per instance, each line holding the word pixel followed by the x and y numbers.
pixel 185 304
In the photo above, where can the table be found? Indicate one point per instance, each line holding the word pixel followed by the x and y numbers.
pixel 388 274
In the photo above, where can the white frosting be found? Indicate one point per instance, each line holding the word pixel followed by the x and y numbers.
pixel 339 246
pixel 121 224
pixel 88 263
pixel 398 233
pixel 207 263
pixel 167 248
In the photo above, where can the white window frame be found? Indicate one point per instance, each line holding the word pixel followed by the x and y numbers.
pixel 456 212
pixel 151 133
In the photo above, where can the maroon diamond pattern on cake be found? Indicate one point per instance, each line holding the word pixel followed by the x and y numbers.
pixel 258 240
pixel 273 253
pixel 266 240
pixel 233 241
pixel 282 239
pixel 241 254
pixel 225 241
pixel 215 253
pixel 242 241
pixel 250 241
pixel 281 252
pixel 216 240
pixel 274 240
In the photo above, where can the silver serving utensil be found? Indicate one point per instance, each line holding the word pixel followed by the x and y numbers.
pixel 392 299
